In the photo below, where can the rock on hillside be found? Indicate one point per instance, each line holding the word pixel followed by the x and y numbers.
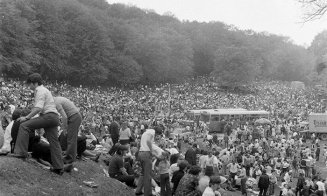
pixel 18 177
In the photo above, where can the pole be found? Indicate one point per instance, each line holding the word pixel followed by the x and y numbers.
pixel 169 99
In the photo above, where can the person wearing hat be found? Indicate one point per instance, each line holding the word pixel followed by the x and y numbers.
pixel 214 185
pixel 48 119
pixel 116 166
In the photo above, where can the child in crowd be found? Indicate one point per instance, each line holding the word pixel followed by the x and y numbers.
pixel 163 169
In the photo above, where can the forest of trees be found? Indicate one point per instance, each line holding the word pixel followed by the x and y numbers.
pixel 93 42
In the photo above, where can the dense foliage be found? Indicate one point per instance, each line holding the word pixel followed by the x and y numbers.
pixel 90 41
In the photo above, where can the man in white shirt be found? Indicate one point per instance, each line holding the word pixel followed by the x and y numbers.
pixel 210 163
pixel 321 187
pixel 202 160
pixel 233 169
pixel 147 149
pixel 48 119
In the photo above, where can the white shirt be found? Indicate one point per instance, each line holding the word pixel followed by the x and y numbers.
pixel 90 138
pixel 174 167
pixel 124 134
pixel 208 192
pixel 321 186
pixel 156 150
pixel 203 183
pixel 43 99
pixel 7 138
pixel 148 135
pixel 173 151
pixel 287 178
pixel 202 160
pixel 233 167
pixel 209 161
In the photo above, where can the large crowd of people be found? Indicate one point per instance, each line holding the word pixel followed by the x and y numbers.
pixel 133 130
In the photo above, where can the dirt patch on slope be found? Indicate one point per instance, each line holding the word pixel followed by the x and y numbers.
pixel 18 177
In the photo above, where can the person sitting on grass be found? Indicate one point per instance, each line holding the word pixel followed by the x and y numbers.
pixel 116 167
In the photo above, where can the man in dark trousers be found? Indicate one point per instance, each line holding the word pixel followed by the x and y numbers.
pixel 48 119
pixel 71 121
pixel 263 183
pixel 317 152
pixel 114 133
pixel 300 184
pixel 114 130
pixel 190 155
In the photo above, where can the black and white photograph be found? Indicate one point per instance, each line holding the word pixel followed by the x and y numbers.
pixel 163 98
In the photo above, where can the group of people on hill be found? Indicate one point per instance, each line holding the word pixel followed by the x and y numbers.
pixel 132 129
pixel 35 128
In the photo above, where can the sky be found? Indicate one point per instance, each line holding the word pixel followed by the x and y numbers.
pixel 281 17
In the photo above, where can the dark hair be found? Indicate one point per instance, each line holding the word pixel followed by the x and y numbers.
pixel 121 149
pixel 34 78
pixel 158 130
pixel 16 114
pixel 182 165
pixel 195 170
pixel 208 171
pixel 215 180
pixel 174 158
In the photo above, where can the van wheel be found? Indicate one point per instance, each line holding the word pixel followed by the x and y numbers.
pixel 323 136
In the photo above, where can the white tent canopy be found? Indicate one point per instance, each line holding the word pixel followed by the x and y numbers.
pixel 297 85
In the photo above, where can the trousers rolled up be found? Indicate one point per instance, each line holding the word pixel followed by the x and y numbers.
pixel 73 124
pixel 49 122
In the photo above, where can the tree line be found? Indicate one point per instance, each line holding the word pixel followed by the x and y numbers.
pixel 93 42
